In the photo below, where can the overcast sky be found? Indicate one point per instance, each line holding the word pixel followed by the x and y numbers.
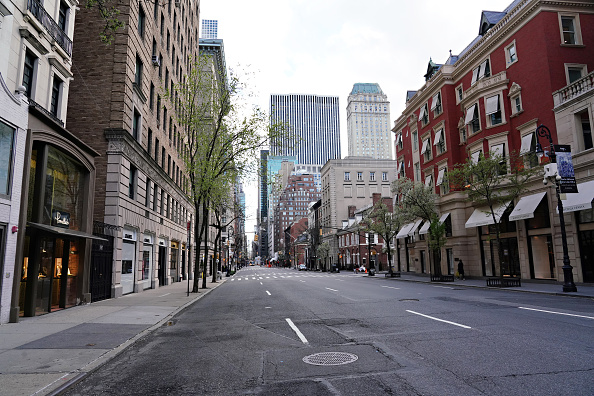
pixel 323 47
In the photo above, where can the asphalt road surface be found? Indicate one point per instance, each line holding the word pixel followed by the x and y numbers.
pixel 270 331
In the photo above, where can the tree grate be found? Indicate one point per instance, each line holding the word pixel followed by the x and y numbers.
pixel 330 358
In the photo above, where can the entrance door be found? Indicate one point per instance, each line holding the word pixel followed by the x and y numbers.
pixel 183 263
pixel 147 266
pixel 162 265
pixel 101 268
pixel 587 254
pixel 128 266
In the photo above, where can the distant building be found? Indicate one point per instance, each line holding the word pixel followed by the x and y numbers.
pixel 368 122
pixel 315 123
pixel 209 29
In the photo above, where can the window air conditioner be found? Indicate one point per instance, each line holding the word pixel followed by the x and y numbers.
pixel 156 61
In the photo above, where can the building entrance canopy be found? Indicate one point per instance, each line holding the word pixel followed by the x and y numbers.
pixel 526 207
pixel 482 216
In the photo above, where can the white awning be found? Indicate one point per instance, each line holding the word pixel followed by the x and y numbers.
pixel 428 180
pixel 438 137
pixel 403 233
pixel 425 146
pixel 440 176
pixel 399 138
pixel 482 216
pixel 581 200
pixel 425 228
pixel 469 114
pixel 497 149
pixel 474 75
pixel 475 156
pixel 422 113
pixel 482 70
pixel 414 227
pixel 526 143
pixel 526 207
pixel 492 105
pixel 402 166
pixel 435 101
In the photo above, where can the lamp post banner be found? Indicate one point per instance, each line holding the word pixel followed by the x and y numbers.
pixel 565 169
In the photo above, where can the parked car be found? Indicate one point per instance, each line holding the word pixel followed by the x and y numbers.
pixel 302 267
pixel 361 269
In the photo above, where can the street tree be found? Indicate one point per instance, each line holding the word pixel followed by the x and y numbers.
pixel 222 135
pixel 493 181
pixel 323 252
pixel 385 220
pixel 418 201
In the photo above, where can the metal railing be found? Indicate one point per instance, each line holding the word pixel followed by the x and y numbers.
pixel 36 8
pixel 574 90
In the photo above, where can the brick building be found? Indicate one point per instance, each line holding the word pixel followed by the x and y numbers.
pixel 490 98
pixel 119 107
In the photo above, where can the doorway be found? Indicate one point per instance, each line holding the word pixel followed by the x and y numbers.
pixel 162 265
pixel 587 254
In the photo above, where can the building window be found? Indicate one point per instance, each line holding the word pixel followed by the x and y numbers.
pixel 147 192
pixel 141 17
pixel 482 71
pixel 157 150
pixel 463 135
pixel 401 171
pixel 155 195
pixel 493 110
pixel 442 181
pixel 138 73
pixel 371 176
pixel 472 119
pixel 415 140
pixel 516 104
pixel 574 72
pixel 424 115
pixel 586 130
pixel 56 94
pixel 136 124
pixel 163 158
pixel 426 149
pixel 570 29
pixel 359 176
pixel 429 180
pixel 499 151
pixel 459 93
pixel 168 41
pixel 436 104
pixel 7 134
pixel 511 55
pixel 417 171
pixel 29 73
pixel 164 119
pixel 132 182
pixel 162 204
pixel 149 144
pixel 384 176
pixel 440 142
pixel 63 16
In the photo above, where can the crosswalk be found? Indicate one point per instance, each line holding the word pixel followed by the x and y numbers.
pixel 257 277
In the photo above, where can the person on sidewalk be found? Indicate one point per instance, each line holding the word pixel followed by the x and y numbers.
pixel 461 270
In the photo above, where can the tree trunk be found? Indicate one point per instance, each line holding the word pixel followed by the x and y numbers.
pixel 205 215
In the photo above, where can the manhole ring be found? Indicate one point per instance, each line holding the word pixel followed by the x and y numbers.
pixel 330 358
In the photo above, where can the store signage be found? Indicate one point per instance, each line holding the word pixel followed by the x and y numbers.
pixel 60 219
pixel 567 184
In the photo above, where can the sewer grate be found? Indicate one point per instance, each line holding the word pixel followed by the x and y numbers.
pixel 330 358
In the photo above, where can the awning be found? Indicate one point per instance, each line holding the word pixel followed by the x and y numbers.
pixel 438 137
pixel 414 227
pixel 425 146
pixel 482 216
pixel 403 233
pixel 581 200
pixel 483 69
pixel 527 143
pixel 428 179
pixel 425 228
pixel 435 101
pixel 474 75
pixel 469 114
pixel 475 156
pixel 402 166
pixel 440 176
pixel 64 231
pixel 492 105
pixel 422 113
pixel 526 207
pixel 399 138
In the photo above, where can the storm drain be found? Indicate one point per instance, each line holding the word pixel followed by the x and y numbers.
pixel 330 358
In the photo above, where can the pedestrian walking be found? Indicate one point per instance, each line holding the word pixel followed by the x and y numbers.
pixel 461 270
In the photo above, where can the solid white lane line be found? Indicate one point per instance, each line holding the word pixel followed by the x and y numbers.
pixel 557 313
pixel 444 287
pixel 296 330
pixel 166 294
pixel 440 320
pixel 331 289
pixel 267 277
pixel 390 287
pixel 302 281
pixel 268 293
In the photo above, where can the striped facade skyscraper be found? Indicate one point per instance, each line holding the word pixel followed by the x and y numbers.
pixel 314 121
pixel 368 122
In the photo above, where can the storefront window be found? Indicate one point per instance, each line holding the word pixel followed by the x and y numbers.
pixel 543 257
pixel 6 143
pixel 64 186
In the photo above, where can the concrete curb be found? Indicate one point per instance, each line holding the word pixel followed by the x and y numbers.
pixel 80 374
pixel 517 290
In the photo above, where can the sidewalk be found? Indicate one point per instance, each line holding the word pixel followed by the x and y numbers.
pixel 43 354
pixel 528 286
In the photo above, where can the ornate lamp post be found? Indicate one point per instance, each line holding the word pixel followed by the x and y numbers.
pixel 543 131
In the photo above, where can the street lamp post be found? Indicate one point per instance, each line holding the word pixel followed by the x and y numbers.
pixel 568 285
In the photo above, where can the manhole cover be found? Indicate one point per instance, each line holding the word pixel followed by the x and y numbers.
pixel 330 358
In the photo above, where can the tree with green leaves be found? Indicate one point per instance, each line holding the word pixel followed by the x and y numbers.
pixel 385 221
pixel 418 201
pixel 493 181
pixel 323 251
pixel 222 135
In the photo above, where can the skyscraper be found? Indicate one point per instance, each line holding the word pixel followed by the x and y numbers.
pixel 209 29
pixel 315 123
pixel 368 122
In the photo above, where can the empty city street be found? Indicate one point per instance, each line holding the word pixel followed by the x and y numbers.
pixel 270 331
